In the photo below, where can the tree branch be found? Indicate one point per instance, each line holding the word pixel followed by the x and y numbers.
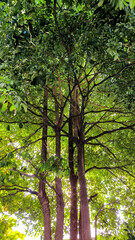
pixel 108 132
pixel 25 122
pixel 17 189
pixel 108 168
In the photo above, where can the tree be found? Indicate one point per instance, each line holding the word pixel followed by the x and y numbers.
pixel 62 65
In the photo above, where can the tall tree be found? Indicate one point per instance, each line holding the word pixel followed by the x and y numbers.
pixel 62 67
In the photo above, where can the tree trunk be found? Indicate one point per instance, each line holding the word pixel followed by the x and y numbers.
pixel 59 197
pixel 46 210
pixel 84 223
pixel 73 184
pixel 84 208
pixel 73 210
pixel 80 227
pixel 58 182
pixel 96 227
pixel 43 198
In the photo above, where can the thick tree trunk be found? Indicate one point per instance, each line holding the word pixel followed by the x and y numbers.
pixel 42 193
pixel 84 208
pixel 73 184
pixel 84 223
pixel 60 210
pixel 46 210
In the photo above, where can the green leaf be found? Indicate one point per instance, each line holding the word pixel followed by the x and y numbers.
pixel 100 3
pixel 132 3
pixel 13 107
pixel 24 107
pixel 9 98
pixel 4 107
pixel 2 98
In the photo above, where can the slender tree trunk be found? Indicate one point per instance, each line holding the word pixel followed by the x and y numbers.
pixel 58 182
pixel 96 227
pixel 43 198
pixel 73 184
pixel 59 197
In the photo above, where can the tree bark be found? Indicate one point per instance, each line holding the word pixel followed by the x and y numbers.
pixel 58 182
pixel 84 223
pixel 59 197
pixel 73 184
pixel 80 226
pixel 84 208
pixel 96 227
pixel 43 198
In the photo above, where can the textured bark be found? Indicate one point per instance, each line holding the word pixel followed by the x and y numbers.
pixel 58 182
pixel 76 113
pixel 73 184
pixel 73 211
pixel 60 210
pixel 96 227
pixel 46 210
pixel 84 223
pixel 43 198
pixel 84 208
pixel 59 197
pixel 80 227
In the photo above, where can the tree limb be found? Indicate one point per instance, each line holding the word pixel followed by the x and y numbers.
pixel 108 132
